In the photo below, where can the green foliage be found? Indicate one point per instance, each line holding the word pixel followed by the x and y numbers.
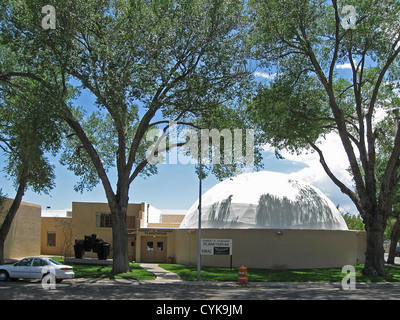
pixel 145 62
pixel 295 40
pixel 29 130
pixel 305 43
pixel 166 60
pixel 281 106
pixel 353 221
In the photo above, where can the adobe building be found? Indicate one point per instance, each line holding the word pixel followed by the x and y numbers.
pixel 269 219
pixel 273 221
pixel 23 238
pixel 95 218
pixel 57 233
pixel 145 225
pixel 265 220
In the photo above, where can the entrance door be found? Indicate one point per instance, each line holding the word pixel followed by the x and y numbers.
pixel 154 249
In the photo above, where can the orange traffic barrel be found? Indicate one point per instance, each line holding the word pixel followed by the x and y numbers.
pixel 242 274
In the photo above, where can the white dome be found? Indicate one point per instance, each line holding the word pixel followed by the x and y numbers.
pixel 265 200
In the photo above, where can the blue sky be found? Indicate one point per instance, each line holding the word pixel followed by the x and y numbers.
pixel 176 185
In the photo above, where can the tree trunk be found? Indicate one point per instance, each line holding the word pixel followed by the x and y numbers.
pixel 394 237
pixel 120 241
pixel 118 203
pixel 6 225
pixel 374 256
pixel 2 260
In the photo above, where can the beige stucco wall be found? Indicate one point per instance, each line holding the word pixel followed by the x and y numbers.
pixel 292 249
pixel 23 239
pixel 64 236
pixel 84 222
pixel 172 218
pixel 171 221
pixel 257 248
pixel 163 225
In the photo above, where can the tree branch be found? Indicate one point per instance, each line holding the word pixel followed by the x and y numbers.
pixel 143 164
pixel 76 127
pixel 337 42
pixel 8 76
pixel 335 180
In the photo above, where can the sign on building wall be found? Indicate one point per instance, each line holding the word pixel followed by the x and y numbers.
pixel 216 246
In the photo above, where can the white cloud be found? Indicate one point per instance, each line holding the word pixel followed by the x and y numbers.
pixel 346 65
pixel 313 172
pixel 335 157
pixel 268 76
pixel 268 148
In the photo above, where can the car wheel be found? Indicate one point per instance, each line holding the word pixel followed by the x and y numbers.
pixel 3 275
pixel 50 277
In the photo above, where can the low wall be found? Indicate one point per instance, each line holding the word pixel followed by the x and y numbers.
pixel 276 249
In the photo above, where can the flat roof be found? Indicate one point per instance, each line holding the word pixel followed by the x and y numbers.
pixel 48 213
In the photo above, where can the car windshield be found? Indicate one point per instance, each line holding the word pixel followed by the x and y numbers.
pixel 55 262
pixel 24 262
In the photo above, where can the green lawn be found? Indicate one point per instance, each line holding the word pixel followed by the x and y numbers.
pixel 104 272
pixel 189 273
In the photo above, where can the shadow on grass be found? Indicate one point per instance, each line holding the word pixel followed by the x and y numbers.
pixel 189 273
pixel 105 272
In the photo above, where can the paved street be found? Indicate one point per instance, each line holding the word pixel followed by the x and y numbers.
pixel 168 287
pixel 89 289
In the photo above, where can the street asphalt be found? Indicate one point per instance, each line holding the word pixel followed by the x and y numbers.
pixel 169 287
pixel 94 289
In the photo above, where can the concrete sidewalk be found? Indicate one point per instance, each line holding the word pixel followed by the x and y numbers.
pixel 160 273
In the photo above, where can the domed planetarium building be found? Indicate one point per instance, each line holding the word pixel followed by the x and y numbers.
pixel 260 220
pixel 265 200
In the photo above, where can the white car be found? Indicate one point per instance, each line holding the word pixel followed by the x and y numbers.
pixel 36 268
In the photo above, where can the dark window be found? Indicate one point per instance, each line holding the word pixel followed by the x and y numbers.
pixel 160 246
pixel 24 263
pixel 150 246
pixel 103 220
pixel 51 239
pixel 39 263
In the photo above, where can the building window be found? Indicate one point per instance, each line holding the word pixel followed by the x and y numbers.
pixel 160 246
pixel 51 239
pixel 103 220
pixel 150 246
